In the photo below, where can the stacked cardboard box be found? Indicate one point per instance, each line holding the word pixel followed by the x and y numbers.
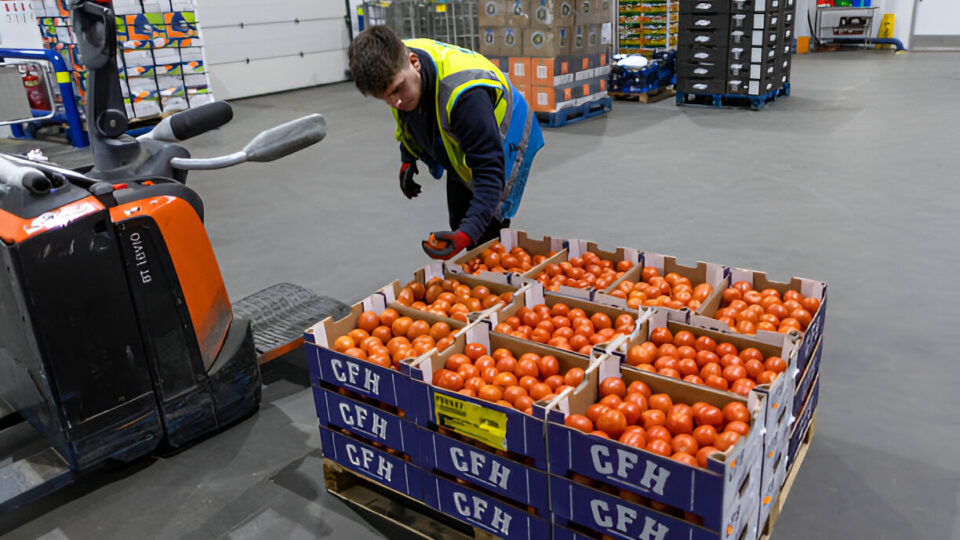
pixel 555 52
pixel 739 47
pixel 159 56
pixel 647 26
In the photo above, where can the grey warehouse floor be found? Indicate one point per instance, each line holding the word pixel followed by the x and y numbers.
pixel 852 180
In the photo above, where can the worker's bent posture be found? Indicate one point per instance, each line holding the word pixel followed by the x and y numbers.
pixel 456 111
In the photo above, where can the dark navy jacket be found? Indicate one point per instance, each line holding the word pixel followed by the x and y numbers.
pixel 475 126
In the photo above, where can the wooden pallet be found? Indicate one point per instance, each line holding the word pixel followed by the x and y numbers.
pixel 767 528
pixel 393 513
pixel 652 96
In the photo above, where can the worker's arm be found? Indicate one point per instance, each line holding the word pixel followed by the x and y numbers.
pixel 474 124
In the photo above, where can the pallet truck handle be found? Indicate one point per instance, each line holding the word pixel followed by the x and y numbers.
pixel 191 122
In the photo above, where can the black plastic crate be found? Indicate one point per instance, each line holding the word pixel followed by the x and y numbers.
pixel 702 54
pixel 700 86
pixel 701 70
pixel 749 22
pixel 753 38
pixel 703 38
pixel 704 21
pixel 705 6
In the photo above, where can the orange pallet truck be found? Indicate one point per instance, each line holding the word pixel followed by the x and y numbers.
pixel 117 336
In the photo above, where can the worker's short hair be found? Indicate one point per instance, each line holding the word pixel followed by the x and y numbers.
pixel 376 55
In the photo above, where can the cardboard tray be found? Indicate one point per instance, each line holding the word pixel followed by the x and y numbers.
pixel 339 370
pixel 336 411
pixel 500 428
pixel 724 494
pixel 511 238
pixel 372 463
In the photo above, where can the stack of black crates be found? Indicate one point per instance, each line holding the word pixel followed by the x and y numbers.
pixel 735 47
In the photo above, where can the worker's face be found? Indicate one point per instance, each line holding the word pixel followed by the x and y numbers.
pixel 403 92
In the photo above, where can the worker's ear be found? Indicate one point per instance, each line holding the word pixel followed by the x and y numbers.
pixel 415 61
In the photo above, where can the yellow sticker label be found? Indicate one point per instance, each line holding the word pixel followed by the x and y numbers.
pixel 441 8
pixel 63 77
pixel 471 420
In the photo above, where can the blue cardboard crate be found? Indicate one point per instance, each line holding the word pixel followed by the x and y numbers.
pixel 493 472
pixel 801 427
pixel 774 469
pixel 709 273
pixel 704 492
pixel 563 533
pixel 498 427
pixel 366 420
pixel 805 380
pixel 511 238
pixel 330 367
pixel 372 463
pixel 779 393
pixel 612 515
pixel 535 295
pixel 483 511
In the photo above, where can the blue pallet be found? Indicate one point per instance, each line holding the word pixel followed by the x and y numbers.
pixel 737 101
pixel 571 115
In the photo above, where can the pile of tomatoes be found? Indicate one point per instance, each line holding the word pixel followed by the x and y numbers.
pixel 583 272
pixel 565 328
pixel 745 310
pixel 497 259
pixel 504 379
pixel 701 360
pixel 653 422
pixel 449 297
pixel 388 338
pixel 671 291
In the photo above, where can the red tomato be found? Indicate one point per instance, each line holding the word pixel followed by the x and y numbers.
pixel 474 350
pixel 754 368
pixel 631 411
pixel 726 439
pixel 661 402
pixel 659 446
pixel 611 400
pixel 639 386
pixel 740 427
pixel 668 349
pixel 638 399
pixel 612 421
pixel 650 418
pixel 705 357
pixel 684 338
pixel 685 443
pixel 578 421
pixel 680 420
pixel 526 367
pixel 661 335
pixel 709 416
pixel 767 377
pixel 573 377
pixel 733 372
pixel 635 438
pixel 688 366
pixel 594 411
pixel 705 435
pixel 716 381
pixel 775 364
pixel 638 354
pixel 712 368
pixel 490 393
pixel 725 348
pixel 705 343
pixel 659 432
pixel 613 385
pixel 703 453
pixel 736 411
pixel 685 458
pixel 742 386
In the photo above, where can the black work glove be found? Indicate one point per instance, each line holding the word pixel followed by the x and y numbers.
pixel 408 169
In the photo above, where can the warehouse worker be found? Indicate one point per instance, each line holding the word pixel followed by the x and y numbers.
pixel 456 111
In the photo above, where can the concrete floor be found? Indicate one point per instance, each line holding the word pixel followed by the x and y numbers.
pixel 851 180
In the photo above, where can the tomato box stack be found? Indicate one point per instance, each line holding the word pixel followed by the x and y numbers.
pixel 666 401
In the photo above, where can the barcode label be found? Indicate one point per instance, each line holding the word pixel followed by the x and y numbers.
pixel 518 69
pixel 542 98
pixel 541 72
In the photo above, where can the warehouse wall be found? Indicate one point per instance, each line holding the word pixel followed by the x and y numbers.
pixel 255 48
pixel 903 9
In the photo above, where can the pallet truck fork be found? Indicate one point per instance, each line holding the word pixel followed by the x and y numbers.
pixel 117 337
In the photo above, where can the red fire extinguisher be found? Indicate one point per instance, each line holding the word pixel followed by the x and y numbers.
pixel 36 92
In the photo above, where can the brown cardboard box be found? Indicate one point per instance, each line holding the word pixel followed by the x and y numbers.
pixel 519 73
pixel 551 71
pixel 553 98
pixel 551 13
pixel 491 13
pixel 578 43
pixel 588 11
pixel 517 14
pixel 501 41
pixel 546 43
